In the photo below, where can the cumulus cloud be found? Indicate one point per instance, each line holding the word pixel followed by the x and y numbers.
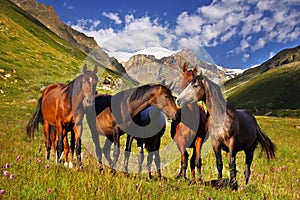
pixel 113 16
pixel 252 23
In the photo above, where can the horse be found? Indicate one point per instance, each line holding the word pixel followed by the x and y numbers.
pixel 230 130
pixel 188 129
pixel 61 109
pixel 155 125
pixel 113 115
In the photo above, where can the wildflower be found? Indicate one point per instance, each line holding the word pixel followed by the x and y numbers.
pixel 7 165
pixel 39 160
pixel 18 157
pixel 298 180
pixel 47 166
pixel 6 173
pixel 201 190
pixel 254 165
pixel 208 198
pixel 241 187
pixel 12 176
pixel 2 192
pixel 49 190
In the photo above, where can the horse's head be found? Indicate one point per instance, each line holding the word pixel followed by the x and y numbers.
pixel 195 91
pixel 165 101
pixel 88 83
pixel 187 76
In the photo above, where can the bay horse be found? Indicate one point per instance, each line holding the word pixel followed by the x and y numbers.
pixel 154 123
pixel 230 130
pixel 62 106
pixel 114 115
pixel 188 129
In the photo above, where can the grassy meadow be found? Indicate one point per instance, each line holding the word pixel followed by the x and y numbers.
pixel 25 174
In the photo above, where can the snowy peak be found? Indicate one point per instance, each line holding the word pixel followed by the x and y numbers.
pixel 157 52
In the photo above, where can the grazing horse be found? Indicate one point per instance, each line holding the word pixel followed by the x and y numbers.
pixel 188 130
pixel 230 130
pixel 154 123
pixel 62 106
pixel 114 115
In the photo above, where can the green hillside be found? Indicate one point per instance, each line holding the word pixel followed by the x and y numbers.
pixel 32 56
pixel 276 91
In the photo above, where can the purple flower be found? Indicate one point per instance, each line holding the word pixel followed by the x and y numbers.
pixel 6 173
pixel 47 166
pixel 18 157
pixel 208 198
pixel 39 160
pixel 2 192
pixel 49 190
pixel 254 165
pixel 12 176
pixel 7 165
pixel 201 190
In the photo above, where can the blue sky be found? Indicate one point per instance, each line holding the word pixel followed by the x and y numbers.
pixel 235 34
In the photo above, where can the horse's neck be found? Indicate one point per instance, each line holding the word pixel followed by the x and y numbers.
pixel 75 98
pixel 215 102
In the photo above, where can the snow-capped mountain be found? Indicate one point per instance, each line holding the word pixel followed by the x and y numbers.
pixel 157 52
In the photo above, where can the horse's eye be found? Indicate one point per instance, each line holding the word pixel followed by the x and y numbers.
pixel 166 97
pixel 195 86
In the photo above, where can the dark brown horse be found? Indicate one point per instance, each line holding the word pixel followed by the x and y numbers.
pixel 230 130
pixel 62 106
pixel 188 130
pixel 154 125
pixel 114 115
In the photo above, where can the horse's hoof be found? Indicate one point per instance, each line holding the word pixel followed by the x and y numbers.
pixel 66 164
pixel 71 165
pixel 233 184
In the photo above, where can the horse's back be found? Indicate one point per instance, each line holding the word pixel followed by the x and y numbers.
pixel 52 98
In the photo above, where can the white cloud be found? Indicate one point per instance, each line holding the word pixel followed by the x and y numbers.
pixel 271 54
pixel 245 57
pixel 113 16
pixel 210 25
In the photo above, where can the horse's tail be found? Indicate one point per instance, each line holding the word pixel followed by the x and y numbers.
pixel 33 123
pixel 267 145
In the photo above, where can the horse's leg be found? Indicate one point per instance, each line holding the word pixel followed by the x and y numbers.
pixel 232 168
pixel 47 132
pixel 59 138
pixel 140 154
pixel 116 149
pixel 53 139
pixel 184 159
pixel 249 157
pixel 66 147
pixel 129 140
pixel 157 157
pixel 106 150
pixel 78 132
pixel 219 162
pixel 198 160
pixel 192 164
pixel 72 148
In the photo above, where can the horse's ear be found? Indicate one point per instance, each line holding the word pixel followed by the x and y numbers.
pixel 184 67
pixel 195 70
pixel 201 75
pixel 95 69
pixel 84 68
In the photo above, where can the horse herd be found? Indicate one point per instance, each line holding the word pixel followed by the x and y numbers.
pixel 138 112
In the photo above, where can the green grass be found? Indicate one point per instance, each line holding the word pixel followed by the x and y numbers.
pixel 276 179
pixel 274 91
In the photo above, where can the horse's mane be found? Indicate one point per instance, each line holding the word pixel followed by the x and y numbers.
pixel 142 92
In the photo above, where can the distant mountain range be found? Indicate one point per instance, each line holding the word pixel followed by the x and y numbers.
pixel 132 62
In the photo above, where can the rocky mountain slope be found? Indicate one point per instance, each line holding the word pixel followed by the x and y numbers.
pixel 47 16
